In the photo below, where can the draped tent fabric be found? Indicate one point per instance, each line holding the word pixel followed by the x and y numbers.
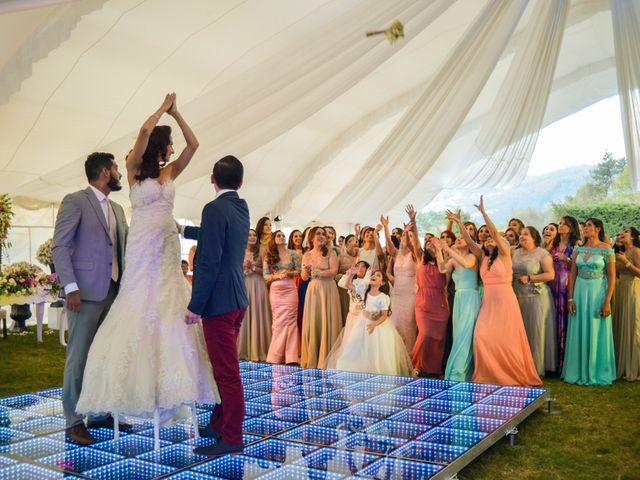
pixel 508 137
pixel 424 131
pixel 626 34
pixel 322 116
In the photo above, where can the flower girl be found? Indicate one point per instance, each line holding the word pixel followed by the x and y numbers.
pixel 372 343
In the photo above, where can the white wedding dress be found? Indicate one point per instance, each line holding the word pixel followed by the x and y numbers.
pixel 144 357
pixel 382 351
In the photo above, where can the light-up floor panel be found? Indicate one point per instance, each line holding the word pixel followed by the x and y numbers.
pixel 299 423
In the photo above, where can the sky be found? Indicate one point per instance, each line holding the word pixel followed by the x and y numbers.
pixel 580 138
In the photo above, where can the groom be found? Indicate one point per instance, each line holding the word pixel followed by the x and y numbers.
pixel 219 296
pixel 88 254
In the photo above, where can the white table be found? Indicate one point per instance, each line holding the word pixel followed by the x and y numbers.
pixel 39 301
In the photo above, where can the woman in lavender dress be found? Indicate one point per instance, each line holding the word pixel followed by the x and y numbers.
pixel 561 251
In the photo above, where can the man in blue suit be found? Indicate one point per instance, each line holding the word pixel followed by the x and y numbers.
pixel 219 296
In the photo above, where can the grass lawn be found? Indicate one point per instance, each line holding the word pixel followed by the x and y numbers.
pixel 595 432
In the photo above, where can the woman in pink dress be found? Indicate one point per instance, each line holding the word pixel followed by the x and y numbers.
pixel 431 306
pixel 281 266
pixel 500 347
pixel 403 295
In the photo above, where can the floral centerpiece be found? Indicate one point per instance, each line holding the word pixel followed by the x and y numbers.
pixel 23 283
pixel 44 254
pixel 6 214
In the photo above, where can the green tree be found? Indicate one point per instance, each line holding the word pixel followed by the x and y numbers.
pixel 606 172
pixel 606 196
pixel 615 214
pixel 609 177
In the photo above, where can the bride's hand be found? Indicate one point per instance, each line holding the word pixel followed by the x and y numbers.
pixel 191 318
pixel 169 99
pixel 174 107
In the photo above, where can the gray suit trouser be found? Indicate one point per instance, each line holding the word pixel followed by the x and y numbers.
pixel 82 329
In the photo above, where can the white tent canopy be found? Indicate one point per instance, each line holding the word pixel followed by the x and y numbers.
pixel 331 126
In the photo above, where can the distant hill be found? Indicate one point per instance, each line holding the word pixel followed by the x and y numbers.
pixel 530 201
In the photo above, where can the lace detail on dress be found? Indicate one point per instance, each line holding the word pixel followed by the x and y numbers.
pixel 144 356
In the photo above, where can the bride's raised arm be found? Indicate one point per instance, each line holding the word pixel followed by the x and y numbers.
pixel 192 143
pixel 134 159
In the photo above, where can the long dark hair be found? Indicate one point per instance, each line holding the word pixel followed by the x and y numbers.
pixel 383 288
pixel 518 221
pixel 426 255
pixel 312 236
pixel 260 228
pixel 290 243
pixel 574 231
pixel 335 234
pixel 557 234
pixel 492 255
pixel 273 256
pixel 635 236
pixel 255 248
pixel 159 140
pixel 598 224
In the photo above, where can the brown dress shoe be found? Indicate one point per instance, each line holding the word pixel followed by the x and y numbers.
pixel 80 435
pixel 108 423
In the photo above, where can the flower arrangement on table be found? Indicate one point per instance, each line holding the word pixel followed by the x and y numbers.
pixel 44 254
pixel 23 283
pixel 6 214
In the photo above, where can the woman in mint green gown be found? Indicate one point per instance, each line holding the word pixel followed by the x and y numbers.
pixel 463 266
pixel 589 353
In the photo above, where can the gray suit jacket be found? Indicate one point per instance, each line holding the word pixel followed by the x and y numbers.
pixel 82 249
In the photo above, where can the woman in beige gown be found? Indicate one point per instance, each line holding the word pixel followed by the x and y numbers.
pixel 626 308
pixel 322 317
pixel 255 333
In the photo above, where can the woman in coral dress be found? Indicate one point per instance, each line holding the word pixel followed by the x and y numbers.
pixel 500 347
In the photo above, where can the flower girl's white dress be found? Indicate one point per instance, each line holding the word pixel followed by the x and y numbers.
pixel 144 357
pixel 382 351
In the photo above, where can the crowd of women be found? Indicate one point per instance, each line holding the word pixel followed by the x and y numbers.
pixel 478 305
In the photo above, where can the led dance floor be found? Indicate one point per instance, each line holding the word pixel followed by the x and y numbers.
pixel 300 424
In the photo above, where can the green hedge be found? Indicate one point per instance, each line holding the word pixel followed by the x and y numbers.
pixel 615 214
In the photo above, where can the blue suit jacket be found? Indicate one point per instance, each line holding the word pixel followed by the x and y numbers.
pixel 218 278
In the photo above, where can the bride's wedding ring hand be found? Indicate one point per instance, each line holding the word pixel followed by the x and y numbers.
pixel 191 318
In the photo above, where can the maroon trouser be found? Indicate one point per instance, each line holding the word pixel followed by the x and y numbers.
pixel 221 335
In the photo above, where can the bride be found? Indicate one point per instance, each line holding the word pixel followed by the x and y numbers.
pixel 144 357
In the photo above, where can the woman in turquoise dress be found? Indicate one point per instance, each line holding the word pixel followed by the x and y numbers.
pixel 463 267
pixel 589 354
